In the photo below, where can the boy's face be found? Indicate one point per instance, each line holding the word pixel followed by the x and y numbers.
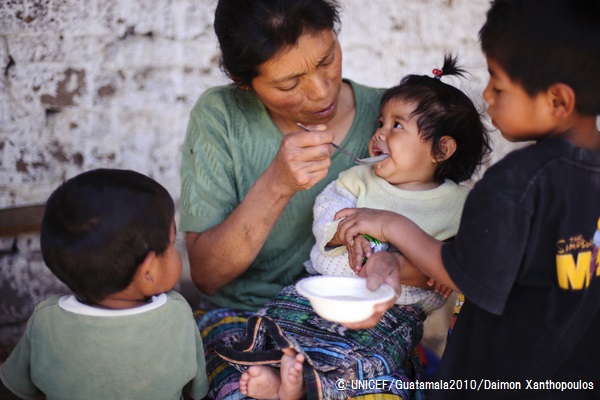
pixel 170 267
pixel 410 163
pixel 518 115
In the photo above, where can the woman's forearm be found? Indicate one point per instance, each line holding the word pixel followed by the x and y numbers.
pixel 222 253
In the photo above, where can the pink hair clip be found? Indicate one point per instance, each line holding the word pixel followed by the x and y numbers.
pixel 437 73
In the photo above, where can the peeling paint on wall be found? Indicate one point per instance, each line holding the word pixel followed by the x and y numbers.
pixel 66 90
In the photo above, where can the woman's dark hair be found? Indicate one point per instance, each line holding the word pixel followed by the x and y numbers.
pixel 443 110
pixel 251 32
pixel 542 42
pixel 99 226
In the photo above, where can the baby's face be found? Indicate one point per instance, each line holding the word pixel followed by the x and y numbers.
pixel 410 164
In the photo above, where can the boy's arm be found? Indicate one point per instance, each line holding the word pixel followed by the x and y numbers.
pixel 422 250
pixel 394 269
pixel 198 387
pixel 7 394
pixel 15 372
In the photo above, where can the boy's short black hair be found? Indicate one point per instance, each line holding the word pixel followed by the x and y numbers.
pixel 443 110
pixel 99 226
pixel 542 42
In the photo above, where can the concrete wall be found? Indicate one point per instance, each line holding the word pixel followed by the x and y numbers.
pixel 110 83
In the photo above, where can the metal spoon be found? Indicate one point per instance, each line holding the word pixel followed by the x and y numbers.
pixel 364 161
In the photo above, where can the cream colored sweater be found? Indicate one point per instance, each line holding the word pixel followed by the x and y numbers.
pixel 436 211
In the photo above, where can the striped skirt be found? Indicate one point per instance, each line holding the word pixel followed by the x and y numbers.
pixel 340 363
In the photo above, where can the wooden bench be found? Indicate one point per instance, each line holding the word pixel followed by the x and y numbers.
pixel 17 220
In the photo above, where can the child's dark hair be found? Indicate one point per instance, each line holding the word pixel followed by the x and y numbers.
pixel 443 110
pixel 99 226
pixel 542 42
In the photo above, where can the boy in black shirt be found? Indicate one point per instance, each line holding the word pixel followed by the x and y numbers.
pixel 524 256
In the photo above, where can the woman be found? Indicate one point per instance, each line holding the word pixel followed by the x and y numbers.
pixel 249 174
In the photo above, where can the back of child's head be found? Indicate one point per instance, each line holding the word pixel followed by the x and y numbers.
pixel 99 226
pixel 542 42
pixel 443 110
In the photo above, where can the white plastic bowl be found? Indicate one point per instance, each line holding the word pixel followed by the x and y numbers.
pixel 342 298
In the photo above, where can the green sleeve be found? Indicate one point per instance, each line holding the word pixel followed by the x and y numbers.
pixel 207 189
pixel 15 372
pixel 197 388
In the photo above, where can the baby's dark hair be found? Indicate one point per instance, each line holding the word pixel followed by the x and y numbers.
pixel 99 226
pixel 443 110
pixel 542 42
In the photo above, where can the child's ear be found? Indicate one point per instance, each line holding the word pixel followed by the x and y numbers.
pixel 446 147
pixel 562 98
pixel 146 273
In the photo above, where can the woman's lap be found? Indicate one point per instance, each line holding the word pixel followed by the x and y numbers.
pixel 321 342
pixel 215 325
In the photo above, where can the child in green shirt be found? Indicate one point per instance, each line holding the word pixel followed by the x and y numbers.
pixel 109 235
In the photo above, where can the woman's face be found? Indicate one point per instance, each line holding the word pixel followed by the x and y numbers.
pixel 303 82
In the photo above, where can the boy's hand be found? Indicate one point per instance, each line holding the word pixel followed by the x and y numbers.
pixel 358 221
pixel 381 267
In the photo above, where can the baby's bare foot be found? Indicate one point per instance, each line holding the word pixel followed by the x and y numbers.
pixel 260 382
pixel 292 384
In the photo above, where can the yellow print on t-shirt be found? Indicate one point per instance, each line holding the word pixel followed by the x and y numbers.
pixel 578 261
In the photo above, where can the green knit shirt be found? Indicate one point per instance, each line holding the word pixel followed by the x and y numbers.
pixel 230 142
pixel 74 351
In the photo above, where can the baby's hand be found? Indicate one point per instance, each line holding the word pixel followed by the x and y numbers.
pixel 439 288
pixel 359 252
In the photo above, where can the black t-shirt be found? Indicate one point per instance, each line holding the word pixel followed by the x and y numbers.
pixel 524 259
